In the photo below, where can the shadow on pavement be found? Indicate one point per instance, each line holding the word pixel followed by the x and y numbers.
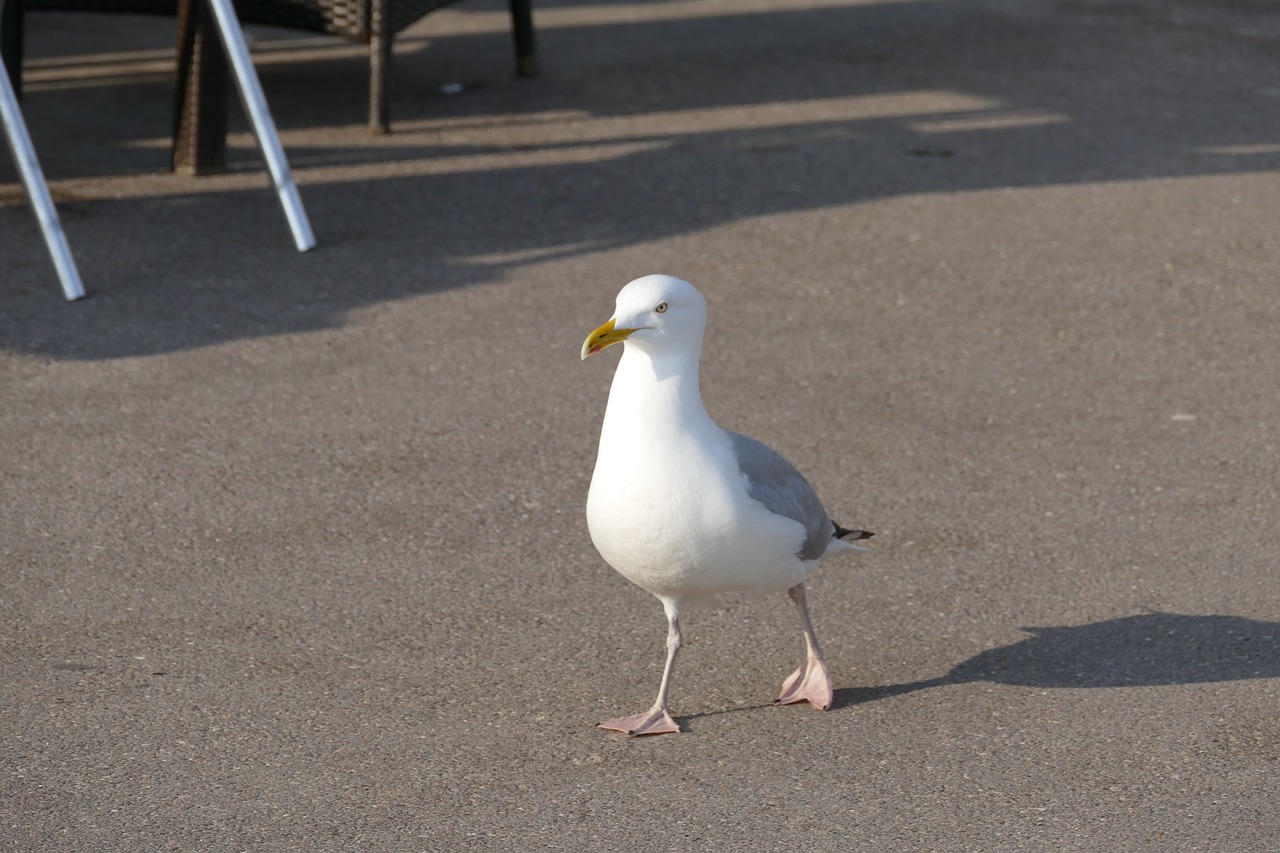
pixel 792 110
pixel 1147 650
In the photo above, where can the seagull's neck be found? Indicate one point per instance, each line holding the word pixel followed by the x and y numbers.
pixel 657 388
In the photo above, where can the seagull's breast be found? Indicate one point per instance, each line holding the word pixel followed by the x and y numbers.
pixel 668 508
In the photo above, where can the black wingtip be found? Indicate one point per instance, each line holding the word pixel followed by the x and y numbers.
pixel 852 535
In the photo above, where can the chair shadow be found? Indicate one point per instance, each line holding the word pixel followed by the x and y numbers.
pixel 1146 650
pixel 1031 100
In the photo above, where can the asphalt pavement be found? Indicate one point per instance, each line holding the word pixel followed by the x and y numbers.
pixel 292 546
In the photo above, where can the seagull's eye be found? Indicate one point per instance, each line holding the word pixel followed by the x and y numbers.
pixel 662 308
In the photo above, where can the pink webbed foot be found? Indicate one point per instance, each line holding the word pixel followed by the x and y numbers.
pixel 655 721
pixel 810 683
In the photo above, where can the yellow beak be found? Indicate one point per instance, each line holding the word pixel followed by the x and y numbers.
pixel 605 336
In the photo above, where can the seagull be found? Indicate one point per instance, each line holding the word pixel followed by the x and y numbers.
pixel 687 510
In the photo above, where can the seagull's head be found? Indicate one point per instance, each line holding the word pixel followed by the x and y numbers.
pixel 656 313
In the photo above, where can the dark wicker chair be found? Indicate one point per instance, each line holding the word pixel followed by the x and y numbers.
pixel 200 122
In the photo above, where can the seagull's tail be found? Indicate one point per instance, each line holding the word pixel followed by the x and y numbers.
pixel 848 537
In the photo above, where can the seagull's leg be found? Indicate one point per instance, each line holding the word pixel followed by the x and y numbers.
pixel 657 720
pixel 812 682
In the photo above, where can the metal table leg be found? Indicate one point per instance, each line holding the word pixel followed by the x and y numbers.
pixel 264 127
pixel 15 131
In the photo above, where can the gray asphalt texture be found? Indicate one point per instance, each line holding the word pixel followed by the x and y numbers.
pixel 292 547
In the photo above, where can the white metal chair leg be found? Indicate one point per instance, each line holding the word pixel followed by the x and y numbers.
pixel 15 132
pixel 255 103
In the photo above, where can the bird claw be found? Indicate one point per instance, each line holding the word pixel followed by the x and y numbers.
pixel 810 683
pixel 655 721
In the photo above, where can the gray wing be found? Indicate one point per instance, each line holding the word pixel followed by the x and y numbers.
pixel 776 483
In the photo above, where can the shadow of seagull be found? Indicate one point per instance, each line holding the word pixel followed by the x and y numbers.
pixel 1145 650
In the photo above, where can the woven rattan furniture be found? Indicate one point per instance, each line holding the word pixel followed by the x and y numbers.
pixel 200 120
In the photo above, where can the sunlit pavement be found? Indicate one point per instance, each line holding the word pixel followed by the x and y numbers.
pixel 292 546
